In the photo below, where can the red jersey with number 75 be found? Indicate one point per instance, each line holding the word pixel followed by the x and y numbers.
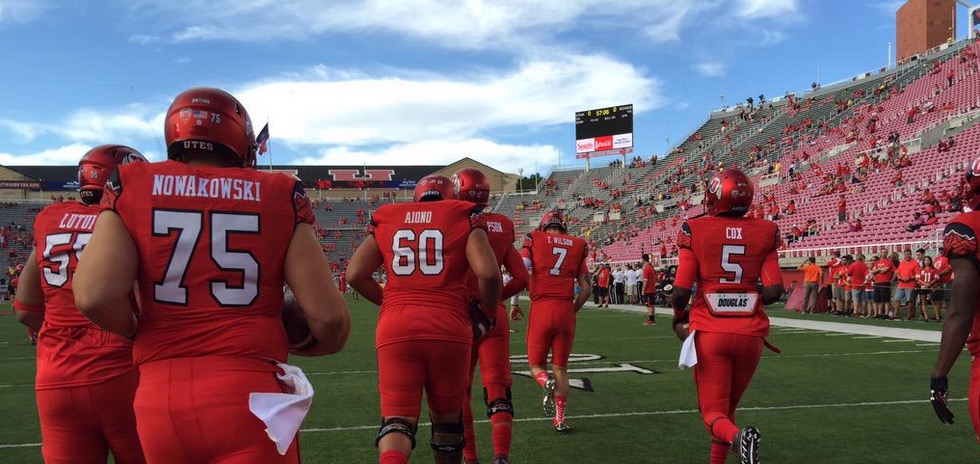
pixel 424 250
pixel 211 242
pixel 728 256
pixel 71 350
pixel 557 260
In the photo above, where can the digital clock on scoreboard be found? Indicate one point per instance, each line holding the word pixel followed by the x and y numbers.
pixel 609 128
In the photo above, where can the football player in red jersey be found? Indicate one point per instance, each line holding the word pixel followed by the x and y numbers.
pixel 726 254
pixel 556 261
pixel 493 350
pixel 962 324
pixel 427 325
pixel 85 376
pixel 210 242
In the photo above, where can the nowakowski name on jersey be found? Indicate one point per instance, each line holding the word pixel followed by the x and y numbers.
pixel 218 187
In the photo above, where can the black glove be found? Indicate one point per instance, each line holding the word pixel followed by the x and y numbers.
pixel 938 396
pixel 482 324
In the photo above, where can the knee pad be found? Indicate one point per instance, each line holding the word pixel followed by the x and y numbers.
pixel 396 425
pixel 448 430
pixel 499 404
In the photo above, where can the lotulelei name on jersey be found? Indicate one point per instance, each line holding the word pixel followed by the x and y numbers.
pixel 733 233
pixel 218 187
pixel 495 227
pixel 418 217
pixel 77 221
pixel 560 241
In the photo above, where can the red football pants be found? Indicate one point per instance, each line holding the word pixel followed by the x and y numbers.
pixel 726 363
pixel 974 400
pixel 196 410
pixel 82 424
pixel 493 354
pixel 550 327
pixel 407 368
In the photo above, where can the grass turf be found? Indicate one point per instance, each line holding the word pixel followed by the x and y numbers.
pixel 826 399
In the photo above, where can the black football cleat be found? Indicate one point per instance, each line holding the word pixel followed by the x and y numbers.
pixel 746 445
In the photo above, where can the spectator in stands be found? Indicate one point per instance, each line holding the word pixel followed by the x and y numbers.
pixel 927 281
pixel 842 209
pixel 857 275
pixel 907 272
pixel 836 291
pixel 855 226
pixel 812 228
pixel 917 222
pixel 811 284
pixel 943 147
pixel 949 78
pixel 619 285
pixel 603 279
pixel 882 273
pixel 843 281
pixel 790 208
pixel 630 276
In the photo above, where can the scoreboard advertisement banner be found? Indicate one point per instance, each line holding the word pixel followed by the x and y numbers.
pixel 605 130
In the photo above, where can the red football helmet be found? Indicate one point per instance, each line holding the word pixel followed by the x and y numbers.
pixel 472 186
pixel 97 165
pixel 434 188
pixel 729 193
pixel 553 219
pixel 212 120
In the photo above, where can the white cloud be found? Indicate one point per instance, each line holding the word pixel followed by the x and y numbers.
pixel 710 68
pixel 392 109
pixel 412 116
pixel 64 155
pixel 25 131
pixel 771 37
pixel 124 125
pixel 61 156
pixel 20 11
pixel 471 24
pixel 505 157
pixel 755 9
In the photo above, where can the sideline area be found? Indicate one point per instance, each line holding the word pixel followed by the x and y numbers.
pixel 848 328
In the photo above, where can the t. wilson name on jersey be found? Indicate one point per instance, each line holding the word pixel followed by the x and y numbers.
pixel 218 187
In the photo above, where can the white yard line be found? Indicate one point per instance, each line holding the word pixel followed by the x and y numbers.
pixel 609 415
pixel 840 327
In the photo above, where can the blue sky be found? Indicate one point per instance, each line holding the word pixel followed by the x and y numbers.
pixel 412 82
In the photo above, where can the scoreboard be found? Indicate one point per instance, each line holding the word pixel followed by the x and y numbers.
pixel 604 129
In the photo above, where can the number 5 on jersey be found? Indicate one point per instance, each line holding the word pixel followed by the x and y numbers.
pixel 56 271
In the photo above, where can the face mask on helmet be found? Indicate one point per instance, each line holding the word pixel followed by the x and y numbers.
pixel 97 165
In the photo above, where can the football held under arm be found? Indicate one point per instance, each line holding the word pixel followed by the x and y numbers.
pixel 307 273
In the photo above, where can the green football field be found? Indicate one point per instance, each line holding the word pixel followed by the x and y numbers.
pixel 828 398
